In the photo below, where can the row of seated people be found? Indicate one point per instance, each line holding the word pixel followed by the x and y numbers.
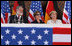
pixel 18 18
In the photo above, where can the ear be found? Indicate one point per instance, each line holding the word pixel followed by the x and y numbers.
pixel 51 16
pixel 16 9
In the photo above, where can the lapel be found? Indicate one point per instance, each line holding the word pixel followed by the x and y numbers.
pixel 16 18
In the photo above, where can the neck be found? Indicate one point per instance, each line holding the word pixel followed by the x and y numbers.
pixel 54 19
pixel 38 20
pixel 18 15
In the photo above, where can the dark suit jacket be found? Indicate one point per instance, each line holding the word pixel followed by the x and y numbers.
pixel 37 22
pixel 14 19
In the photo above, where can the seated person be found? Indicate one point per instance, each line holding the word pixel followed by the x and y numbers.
pixel 54 20
pixel 18 18
pixel 37 16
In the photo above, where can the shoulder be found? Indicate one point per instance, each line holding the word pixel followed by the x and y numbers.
pixel 59 20
pixel 12 16
pixel 34 21
pixel 41 21
pixel 49 21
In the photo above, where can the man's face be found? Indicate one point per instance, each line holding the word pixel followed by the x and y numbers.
pixel 53 15
pixel 20 11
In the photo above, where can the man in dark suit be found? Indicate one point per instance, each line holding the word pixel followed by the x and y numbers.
pixel 18 18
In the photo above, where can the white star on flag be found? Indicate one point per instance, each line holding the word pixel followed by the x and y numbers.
pixel 26 37
pixel 39 37
pixel 46 42
pixel 7 42
pixel 20 42
pixel 33 31
pixel 7 31
pixel 46 31
pixel 33 42
pixel 2 36
pixel 20 31
pixel 13 36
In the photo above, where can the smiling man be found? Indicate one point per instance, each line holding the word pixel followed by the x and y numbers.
pixel 18 18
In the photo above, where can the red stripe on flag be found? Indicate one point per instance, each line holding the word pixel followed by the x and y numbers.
pixel 42 17
pixel 70 20
pixel 61 43
pixel 31 17
pixel 63 21
pixel 61 30
pixel 6 17
pixel 65 16
pixel 29 21
pixel 1 20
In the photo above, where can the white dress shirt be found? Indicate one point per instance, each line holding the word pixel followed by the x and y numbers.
pixel 18 18
pixel 52 22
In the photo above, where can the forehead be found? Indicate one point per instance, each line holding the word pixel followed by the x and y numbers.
pixel 38 13
pixel 54 13
pixel 20 7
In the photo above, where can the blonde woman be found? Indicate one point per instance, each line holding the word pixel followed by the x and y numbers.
pixel 54 20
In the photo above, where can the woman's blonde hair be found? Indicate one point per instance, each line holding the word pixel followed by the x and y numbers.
pixel 52 12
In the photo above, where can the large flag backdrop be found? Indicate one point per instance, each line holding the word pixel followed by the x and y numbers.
pixel 49 8
pixel 5 11
pixel 35 6
pixel 67 13
pixel 32 34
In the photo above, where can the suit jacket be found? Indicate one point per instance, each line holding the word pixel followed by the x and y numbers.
pixel 37 22
pixel 14 19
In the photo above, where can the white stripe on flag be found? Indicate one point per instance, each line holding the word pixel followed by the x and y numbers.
pixel 65 12
pixel 66 20
pixel 30 19
pixel 38 25
pixel 61 38
pixel 8 17
pixel 31 12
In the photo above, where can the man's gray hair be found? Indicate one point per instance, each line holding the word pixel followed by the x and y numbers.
pixel 18 7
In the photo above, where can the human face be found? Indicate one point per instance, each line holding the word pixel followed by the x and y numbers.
pixel 38 16
pixel 53 15
pixel 20 11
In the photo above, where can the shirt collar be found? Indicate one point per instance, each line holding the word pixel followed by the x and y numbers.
pixel 16 15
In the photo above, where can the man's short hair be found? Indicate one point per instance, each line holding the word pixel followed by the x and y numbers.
pixel 18 7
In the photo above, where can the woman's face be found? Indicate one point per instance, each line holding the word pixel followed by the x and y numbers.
pixel 38 16
pixel 53 15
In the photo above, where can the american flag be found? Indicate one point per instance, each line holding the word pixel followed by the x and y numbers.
pixel 31 35
pixel 5 11
pixel 35 6
pixel 67 13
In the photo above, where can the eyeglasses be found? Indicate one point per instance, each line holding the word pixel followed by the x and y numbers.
pixel 37 14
